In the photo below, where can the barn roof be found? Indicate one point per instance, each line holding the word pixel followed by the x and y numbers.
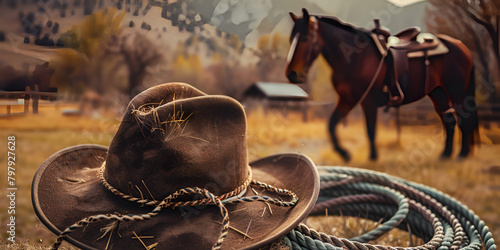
pixel 404 3
pixel 274 90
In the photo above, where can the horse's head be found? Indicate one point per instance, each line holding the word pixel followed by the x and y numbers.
pixel 305 47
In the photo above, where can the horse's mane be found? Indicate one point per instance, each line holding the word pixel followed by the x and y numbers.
pixel 345 26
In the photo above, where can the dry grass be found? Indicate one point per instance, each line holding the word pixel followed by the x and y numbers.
pixel 474 181
pixel 350 227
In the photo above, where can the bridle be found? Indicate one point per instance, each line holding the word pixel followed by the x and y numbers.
pixel 313 29
pixel 314 40
pixel 314 32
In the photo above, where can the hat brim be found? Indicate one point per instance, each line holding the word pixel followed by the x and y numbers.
pixel 66 189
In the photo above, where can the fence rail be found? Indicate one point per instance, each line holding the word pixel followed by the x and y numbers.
pixel 424 114
pixel 28 96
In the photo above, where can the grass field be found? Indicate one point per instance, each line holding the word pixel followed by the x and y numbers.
pixel 474 181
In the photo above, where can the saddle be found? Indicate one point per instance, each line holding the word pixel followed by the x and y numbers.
pixel 410 39
pixel 399 49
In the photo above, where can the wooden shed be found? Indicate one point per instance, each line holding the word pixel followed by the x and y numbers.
pixel 278 96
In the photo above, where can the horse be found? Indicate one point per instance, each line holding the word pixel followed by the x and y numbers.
pixel 360 74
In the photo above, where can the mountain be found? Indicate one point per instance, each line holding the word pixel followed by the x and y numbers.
pixel 239 17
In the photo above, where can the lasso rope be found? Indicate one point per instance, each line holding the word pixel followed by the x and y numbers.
pixel 443 222
pixel 208 198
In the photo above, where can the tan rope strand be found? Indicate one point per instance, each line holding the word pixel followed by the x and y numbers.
pixel 141 217
pixel 169 201
pixel 148 202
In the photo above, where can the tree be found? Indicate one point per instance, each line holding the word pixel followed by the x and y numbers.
pixel 138 53
pixel 475 23
pixel 487 14
pixel 94 31
pixel 67 65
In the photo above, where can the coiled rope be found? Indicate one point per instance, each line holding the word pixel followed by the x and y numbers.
pixel 443 222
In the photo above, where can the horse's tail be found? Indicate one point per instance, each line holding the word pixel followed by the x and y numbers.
pixel 471 98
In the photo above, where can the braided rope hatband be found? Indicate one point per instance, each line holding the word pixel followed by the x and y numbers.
pixel 232 197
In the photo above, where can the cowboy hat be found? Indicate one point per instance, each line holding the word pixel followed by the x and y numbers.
pixel 175 176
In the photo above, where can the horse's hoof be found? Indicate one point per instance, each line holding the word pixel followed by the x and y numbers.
pixel 373 157
pixel 445 155
pixel 464 153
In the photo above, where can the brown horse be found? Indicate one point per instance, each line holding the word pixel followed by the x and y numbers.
pixel 352 54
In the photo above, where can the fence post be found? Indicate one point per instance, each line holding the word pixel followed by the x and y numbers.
pixel 27 100
pixel 305 107
pixel 285 109
pixel 398 126
pixel 36 96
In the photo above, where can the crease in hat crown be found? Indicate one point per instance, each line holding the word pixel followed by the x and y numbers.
pixel 177 137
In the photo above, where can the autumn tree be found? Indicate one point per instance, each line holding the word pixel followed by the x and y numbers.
pixel 99 53
pixel 83 42
pixel 95 30
pixel 487 14
pixel 138 54
pixel 476 23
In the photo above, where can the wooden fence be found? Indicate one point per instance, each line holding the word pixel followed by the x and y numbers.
pixel 489 113
pixel 11 98
pixel 424 114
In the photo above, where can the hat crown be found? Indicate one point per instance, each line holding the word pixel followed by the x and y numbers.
pixel 174 136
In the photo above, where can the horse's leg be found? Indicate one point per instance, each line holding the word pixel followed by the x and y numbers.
pixel 443 109
pixel 468 122
pixel 341 110
pixel 370 111
pixel 467 137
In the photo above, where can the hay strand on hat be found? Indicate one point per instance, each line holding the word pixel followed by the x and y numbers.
pixel 238 231
pixel 142 242
pixel 109 228
pixel 143 237
pixel 248 227
pixel 152 246
pixel 148 190
pixel 269 206
pixel 174 126
pixel 139 114
pixel 142 196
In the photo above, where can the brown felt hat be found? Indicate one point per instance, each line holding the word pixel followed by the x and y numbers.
pixel 175 145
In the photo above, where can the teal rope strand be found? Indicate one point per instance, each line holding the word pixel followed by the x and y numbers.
pixel 450 224
pixel 385 227
pixel 444 199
